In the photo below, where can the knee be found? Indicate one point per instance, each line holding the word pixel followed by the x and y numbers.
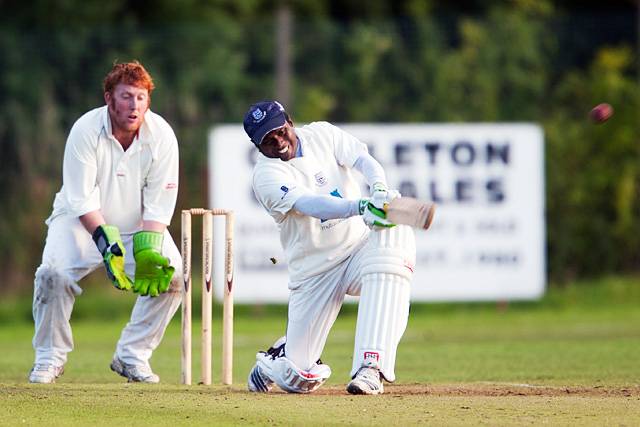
pixel 177 280
pixel 50 283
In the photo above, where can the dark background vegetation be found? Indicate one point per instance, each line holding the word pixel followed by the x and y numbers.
pixel 394 61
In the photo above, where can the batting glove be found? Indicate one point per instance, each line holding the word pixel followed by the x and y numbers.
pixel 109 243
pixel 381 195
pixel 153 272
pixel 373 216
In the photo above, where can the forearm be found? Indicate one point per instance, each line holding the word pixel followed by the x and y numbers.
pixel 370 169
pixel 153 226
pixel 326 207
pixel 91 220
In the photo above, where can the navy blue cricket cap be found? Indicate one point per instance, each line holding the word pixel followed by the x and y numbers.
pixel 262 118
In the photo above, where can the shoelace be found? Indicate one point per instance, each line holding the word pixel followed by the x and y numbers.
pixel 276 352
pixel 370 376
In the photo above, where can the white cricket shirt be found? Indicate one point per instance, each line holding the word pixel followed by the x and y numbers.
pixel 126 186
pixel 311 245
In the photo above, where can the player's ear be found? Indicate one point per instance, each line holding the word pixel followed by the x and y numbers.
pixel 107 97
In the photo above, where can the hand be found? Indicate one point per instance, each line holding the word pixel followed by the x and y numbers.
pixel 109 243
pixel 381 196
pixel 374 217
pixel 153 272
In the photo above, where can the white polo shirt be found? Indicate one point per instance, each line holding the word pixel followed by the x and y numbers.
pixel 312 246
pixel 126 186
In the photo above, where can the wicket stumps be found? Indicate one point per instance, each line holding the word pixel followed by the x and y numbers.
pixel 207 295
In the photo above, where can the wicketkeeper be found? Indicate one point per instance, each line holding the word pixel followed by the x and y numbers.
pixel 336 243
pixel 120 184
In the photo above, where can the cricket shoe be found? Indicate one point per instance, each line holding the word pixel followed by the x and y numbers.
pixel 258 382
pixel 44 373
pixel 134 373
pixel 366 381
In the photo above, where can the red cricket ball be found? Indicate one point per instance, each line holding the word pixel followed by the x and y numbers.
pixel 601 112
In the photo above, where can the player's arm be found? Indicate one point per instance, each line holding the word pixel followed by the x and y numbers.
pixel 153 270
pixel 388 204
pixel 92 220
pixel 326 207
pixel 109 243
pixel 155 226
pixel 371 169
pixel 330 207
pixel 79 172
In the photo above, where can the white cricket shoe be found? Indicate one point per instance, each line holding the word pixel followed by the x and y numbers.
pixel 366 381
pixel 258 382
pixel 138 374
pixel 44 373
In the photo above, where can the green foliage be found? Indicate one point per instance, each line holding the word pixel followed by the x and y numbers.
pixel 406 61
pixel 593 170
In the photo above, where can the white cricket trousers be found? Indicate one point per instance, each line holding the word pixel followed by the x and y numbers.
pixel 69 255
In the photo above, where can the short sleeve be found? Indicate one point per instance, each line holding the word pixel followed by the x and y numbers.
pixel 346 147
pixel 276 189
pixel 79 171
pixel 161 187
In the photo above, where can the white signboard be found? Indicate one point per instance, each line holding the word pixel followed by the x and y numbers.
pixel 487 241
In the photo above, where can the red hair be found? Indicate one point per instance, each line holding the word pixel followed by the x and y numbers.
pixel 130 73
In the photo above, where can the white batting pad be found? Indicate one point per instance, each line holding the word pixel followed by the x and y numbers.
pixel 383 313
pixel 383 310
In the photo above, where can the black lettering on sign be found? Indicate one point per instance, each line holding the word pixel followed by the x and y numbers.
pixel 495 192
pixel 463 154
pixel 464 190
pixel 498 153
pixel 402 154
pixel 435 195
pixel 461 190
pixel 432 149
pixel 498 258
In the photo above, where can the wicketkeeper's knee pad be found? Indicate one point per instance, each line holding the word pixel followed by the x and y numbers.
pixel 51 283
pixel 292 379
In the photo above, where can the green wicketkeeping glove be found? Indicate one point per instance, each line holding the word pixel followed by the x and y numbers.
pixel 153 272
pixel 109 243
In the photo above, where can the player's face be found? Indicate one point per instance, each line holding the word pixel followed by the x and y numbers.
pixel 280 143
pixel 127 105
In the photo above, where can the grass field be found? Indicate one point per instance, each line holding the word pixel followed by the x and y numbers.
pixel 570 359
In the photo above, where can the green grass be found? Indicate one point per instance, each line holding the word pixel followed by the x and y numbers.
pixel 458 364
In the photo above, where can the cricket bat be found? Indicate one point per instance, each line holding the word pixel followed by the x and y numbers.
pixel 410 211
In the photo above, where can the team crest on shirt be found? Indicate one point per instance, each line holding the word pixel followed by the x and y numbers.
pixel 284 190
pixel 321 179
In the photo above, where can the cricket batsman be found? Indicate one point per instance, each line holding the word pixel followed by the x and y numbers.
pixel 336 244
pixel 120 184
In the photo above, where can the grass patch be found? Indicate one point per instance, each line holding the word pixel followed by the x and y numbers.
pixel 585 336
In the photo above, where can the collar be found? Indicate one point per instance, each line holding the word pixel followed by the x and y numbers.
pixel 299 151
pixel 144 136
